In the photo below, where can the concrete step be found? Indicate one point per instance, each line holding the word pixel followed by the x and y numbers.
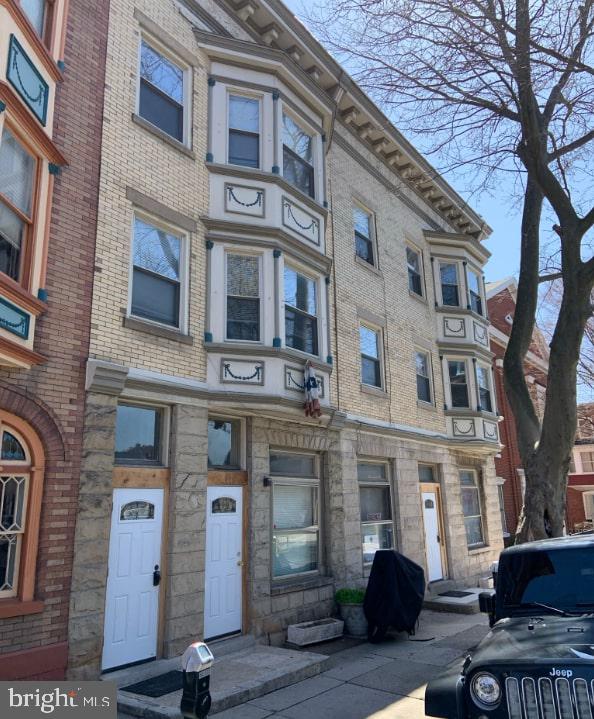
pixel 443 585
pixel 236 678
pixel 458 605
pixel 231 645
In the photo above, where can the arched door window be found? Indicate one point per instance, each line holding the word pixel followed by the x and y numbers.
pixel 21 476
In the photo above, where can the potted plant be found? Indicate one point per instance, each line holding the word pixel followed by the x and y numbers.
pixel 350 604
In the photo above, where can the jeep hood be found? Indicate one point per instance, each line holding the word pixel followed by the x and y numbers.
pixel 539 640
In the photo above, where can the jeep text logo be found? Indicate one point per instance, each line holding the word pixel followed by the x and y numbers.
pixel 561 673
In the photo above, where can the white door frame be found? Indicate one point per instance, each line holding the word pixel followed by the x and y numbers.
pixel 146 648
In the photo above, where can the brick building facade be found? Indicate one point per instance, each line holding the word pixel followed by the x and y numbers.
pixel 50 123
pixel 501 302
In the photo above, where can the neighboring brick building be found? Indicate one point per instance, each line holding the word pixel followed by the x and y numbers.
pixel 52 59
pixel 580 490
pixel 501 303
pixel 256 212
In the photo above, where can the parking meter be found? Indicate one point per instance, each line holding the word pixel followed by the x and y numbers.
pixel 196 663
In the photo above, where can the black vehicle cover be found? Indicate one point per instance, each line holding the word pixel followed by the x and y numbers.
pixel 394 594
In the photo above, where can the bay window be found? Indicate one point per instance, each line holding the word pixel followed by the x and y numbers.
pixel 243 297
pixel 458 383
pixel 371 370
pixel 362 221
pixel 471 508
pixel 450 293
pixel 298 156
pixel 483 375
pixel 301 323
pixel 156 274
pixel 295 514
pixel 17 177
pixel 474 290
pixel 161 99
pixel 377 528
pixel 244 131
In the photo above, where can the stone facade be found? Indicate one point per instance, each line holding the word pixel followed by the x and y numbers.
pixel 192 373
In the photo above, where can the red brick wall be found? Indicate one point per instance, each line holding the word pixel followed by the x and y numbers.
pixel 575 508
pixel 51 396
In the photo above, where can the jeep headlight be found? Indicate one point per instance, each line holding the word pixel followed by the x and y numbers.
pixel 485 689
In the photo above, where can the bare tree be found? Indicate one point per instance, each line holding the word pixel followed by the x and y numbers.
pixel 506 85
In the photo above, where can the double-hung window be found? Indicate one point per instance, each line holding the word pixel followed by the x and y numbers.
pixel 301 323
pixel 371 366
pixel 161 100
pixel 243 297
pixel 474 291
pixel 156 281
pixel 458 383
pixel 413 262
pixel 17 179
pixel 471 508
pixel 423 370
pixel 295 514
pixel 483 375
pixel 587 459
pixel 298 156
pixel 244 131
pixel 35 10
pixel 138 435
pixel 450 293
pixel 362 222
pixel 377 528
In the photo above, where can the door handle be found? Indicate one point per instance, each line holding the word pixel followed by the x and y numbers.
pixel 156 576
pixel 239 563
pixel 438 539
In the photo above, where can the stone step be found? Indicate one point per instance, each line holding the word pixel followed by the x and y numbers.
pixel 231 645
pixel 459 605
pixel 443 585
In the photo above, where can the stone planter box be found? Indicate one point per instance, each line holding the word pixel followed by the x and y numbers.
pixel 320 630
pixel 355 623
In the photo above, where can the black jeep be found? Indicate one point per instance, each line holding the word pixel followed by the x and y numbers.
pixel 537 662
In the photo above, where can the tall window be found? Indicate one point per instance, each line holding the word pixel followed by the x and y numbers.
pixel 587 462
pixel 501 498
pixel 17 173
pixel 371 370
pixel 474 288
pixel 363 234
pixel 243 297
pixel 422 365
pixel 295 514
pixel 471 508
pixel 301 324
pixel 458 383
pixel 244 131
pixel 35 11
pixel 484 383
pixel 413 262
pixel 298 156
pixel 156 281
pixel 377 528
pixel 161 92
pixel 223 444
pixel 448 273
pixel 138 435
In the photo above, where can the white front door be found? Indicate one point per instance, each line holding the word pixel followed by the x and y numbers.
pixel 432 538
pixel 223 595
pixel 132 598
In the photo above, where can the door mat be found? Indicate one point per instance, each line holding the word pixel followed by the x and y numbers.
pixel 157 686
pixel 455 594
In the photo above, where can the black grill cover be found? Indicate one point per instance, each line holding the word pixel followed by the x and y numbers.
pixel 394 594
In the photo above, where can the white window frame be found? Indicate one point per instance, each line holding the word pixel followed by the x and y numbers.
pixel 413 248
pixel 477 487
pixel 295 267
pixel 314 134
pixel 241 92
pixel 375 484
pixel 357 204
pixel 487 368
pixel 479 276
pixel 184 270
pixel 260 256
pixel 589 461
pixel 163 50
pixel 312 482
pixel 469 384
pixel 427 353
pixel 380 350
pixel 459 275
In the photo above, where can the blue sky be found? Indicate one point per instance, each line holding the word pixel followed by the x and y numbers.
pixel 498 211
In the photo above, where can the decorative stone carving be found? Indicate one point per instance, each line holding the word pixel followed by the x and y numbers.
pixel 481 335
pixel 26 80
pixel 244 200
pixel 463 427
pixel 299 221
pixel 490 431
pixel 13 319
pixel 235 371
pixel 294 380
pixel 454 327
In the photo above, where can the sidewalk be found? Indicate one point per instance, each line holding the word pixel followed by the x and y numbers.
pixel 372 681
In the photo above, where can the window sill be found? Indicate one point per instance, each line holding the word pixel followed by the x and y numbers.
pixel 153 129
pixel 15 608
pixel 260 350
pixel 479 550
pixel 133 323
pixel 375 391
pixel 429 406
pixel 297 585
pixel 14 292
pixel 368 266
pixel 419 298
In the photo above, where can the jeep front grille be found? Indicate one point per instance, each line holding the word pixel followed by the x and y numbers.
pixel 543 698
